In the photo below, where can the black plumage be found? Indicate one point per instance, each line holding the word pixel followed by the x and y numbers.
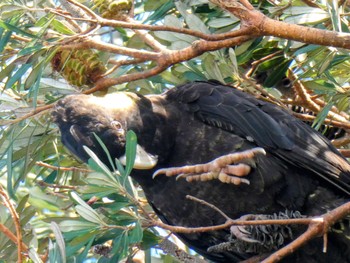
pixel 301 173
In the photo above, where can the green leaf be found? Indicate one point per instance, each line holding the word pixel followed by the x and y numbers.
pixel 15 29
pixel 271 63
pixel 321 116
pixel 305 15
pixel 120 245
pixel 95 163
pixel 31 49
pixel 61 28
pixel 77 225
pixel 135 234
pixel 59 240
pixel 54 253
pixel 102 180
pixel 86 211
pixel 4 38
pixel 160 12
pixel 101 143
pixel 9 154
pixel 34 256
pixel 83 255
pixel 7 71
pixel 131 142
pixel 18 75
pixel 149 239
pixel 85 238
pixel 278 74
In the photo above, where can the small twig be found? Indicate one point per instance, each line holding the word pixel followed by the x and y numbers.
pixel 60 168
pixel 170 248
pixel 311 118
pixel 341 141
pixel 345 152
pixel 69 187
pixel 227 224
pixel 11 236
pixel 84 8
pixel 190 197
pixel 99 45
pixel 120 63
pixel 318 226
pixel 16 221
pixel 256 63
pixel 73 9
pixel 147 38
pixel 38 110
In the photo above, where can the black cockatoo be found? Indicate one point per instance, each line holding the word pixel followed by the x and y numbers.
pixel 300 174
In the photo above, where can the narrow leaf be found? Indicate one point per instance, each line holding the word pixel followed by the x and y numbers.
pixel 131 142
pixel 17 76
pixel 10 27
pixel 86 211
pixel 59 240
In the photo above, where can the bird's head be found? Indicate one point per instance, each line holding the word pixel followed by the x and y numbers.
pixel 82 118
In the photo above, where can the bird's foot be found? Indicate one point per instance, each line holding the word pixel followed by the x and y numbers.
pixel 259 238
pixel 223 169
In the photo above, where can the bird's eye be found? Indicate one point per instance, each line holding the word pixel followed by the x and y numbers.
pixel 116 125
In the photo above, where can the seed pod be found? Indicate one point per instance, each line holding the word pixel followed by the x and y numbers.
pixel 78 67
pixel 112 9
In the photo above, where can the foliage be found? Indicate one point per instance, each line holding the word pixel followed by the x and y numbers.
pixel 69 215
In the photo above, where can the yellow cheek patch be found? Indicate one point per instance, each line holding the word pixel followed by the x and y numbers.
pixel 114 101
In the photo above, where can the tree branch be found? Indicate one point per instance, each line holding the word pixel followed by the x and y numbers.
pixel 15 217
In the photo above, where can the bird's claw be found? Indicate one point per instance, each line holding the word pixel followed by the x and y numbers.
pixel 242 232
pixel 222 169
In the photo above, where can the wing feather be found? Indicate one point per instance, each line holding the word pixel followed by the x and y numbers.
pixel 269 126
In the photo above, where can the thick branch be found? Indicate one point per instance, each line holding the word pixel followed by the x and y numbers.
pixel 316 228
pixel 261 25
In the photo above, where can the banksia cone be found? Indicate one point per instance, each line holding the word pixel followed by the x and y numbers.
pixel 112 9
pixel 78 67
